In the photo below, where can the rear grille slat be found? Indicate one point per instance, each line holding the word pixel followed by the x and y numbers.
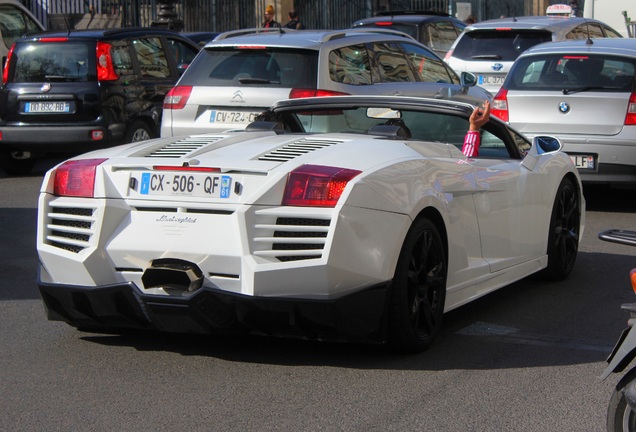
pixel 70 228
pixel 292 238
pixel 296 149
pixel 181 148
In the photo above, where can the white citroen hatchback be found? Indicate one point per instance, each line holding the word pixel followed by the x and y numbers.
pixel 240 74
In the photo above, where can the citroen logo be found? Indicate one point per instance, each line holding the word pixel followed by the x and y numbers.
pixel 497 67
pixel 237 96
pixel 45 87
pixel 564 107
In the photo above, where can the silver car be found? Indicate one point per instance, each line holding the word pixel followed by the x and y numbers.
pixel 584 93
pixel 489 48
pixel 240 74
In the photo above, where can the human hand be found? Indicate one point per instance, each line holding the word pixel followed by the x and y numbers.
pixel 479 117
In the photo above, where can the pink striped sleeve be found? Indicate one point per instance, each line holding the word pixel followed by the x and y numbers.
pixel 471 144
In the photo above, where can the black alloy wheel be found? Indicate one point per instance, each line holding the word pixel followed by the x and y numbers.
pixel 418 290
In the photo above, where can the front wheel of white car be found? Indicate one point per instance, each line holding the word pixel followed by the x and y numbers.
pixel 563 238
pixel 418 289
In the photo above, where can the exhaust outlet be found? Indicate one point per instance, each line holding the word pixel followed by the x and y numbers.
pixel 173 275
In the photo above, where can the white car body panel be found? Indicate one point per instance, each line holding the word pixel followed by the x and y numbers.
pixel 476 198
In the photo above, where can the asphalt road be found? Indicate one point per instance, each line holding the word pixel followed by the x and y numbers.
pixel 526 358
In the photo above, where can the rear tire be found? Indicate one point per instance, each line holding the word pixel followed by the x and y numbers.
pixel 563 238
pixel 15 166
pixel 418 290
pixel 138 131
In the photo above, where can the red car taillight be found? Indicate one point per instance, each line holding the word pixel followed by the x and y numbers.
pixel 630 117
pixel 448 55
pixel 76 178
pixel 177 97
pixel 316 185
pixel 105 68
pixel 499 105
pixel 5 71
pixel 303 93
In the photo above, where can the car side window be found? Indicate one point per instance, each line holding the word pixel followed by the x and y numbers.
pixel 151 57
pixel 427 66
pixel 584 31
pixel 350 65
pixel 442 34
pixel 610 33
pixel 14 23
pixel 182 53
pixel 393 66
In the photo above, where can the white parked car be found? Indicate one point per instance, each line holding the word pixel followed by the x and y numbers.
pixel 337 218
pixel 242 73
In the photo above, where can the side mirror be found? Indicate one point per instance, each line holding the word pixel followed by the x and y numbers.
pixel 541 145
pixel 467 79
pixel 546 144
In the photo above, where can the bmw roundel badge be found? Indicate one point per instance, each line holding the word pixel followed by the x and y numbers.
pixel 564 107
pixel 497 67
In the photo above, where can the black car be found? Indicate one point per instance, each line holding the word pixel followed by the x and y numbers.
pixel 72 92
pixel 437 30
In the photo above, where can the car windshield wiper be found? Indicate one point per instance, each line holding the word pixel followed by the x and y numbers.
pixel 587 88
pixel 62 78
pixel 487 57
pixel 256 81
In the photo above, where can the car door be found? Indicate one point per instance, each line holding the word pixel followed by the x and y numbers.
pixel 511 203
pixel 154 71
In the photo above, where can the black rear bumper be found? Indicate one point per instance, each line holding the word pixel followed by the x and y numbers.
pixel 358 317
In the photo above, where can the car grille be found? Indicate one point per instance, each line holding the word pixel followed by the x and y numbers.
pixel 178 149
pixel 297 148
pixel 69 228
pixel 293 238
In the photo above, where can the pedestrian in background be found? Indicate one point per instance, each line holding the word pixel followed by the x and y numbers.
pixel 470 20
pixel 294 21
pixel 270 22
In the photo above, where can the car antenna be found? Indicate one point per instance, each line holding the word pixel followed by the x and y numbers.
pixel 68 27
pixel 589 39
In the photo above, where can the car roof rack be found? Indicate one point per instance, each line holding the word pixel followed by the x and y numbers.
pixel 328 36
pixel 342 33
pixel 249 31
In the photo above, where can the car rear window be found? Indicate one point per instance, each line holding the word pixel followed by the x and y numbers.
pixel 54 61
pixel 409 29
pixel 270 67
pixel 572 72
pixel 503 45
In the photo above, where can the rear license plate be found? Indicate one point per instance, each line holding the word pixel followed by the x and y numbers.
pixel 47 107
pixel 186 184
pixel 234 117
pixel 584 162
pixel 491 79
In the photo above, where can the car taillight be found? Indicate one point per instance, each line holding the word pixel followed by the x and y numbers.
pixel 499 105
pixel 177 97
pixel 105 68
pixel 448 55
pixel 76 178
pixel 630 117
pixel 303 93
pixel 5 71
pixel 316 185
pixel 632 278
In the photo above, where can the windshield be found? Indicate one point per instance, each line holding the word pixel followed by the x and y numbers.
pixel 571 73
pixel 272 67
pixel 65 62
pixel 503 45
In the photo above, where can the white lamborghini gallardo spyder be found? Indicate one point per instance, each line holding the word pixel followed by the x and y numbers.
pixel 345 218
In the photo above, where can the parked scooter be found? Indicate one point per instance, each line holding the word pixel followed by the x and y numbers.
pixel 621 412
